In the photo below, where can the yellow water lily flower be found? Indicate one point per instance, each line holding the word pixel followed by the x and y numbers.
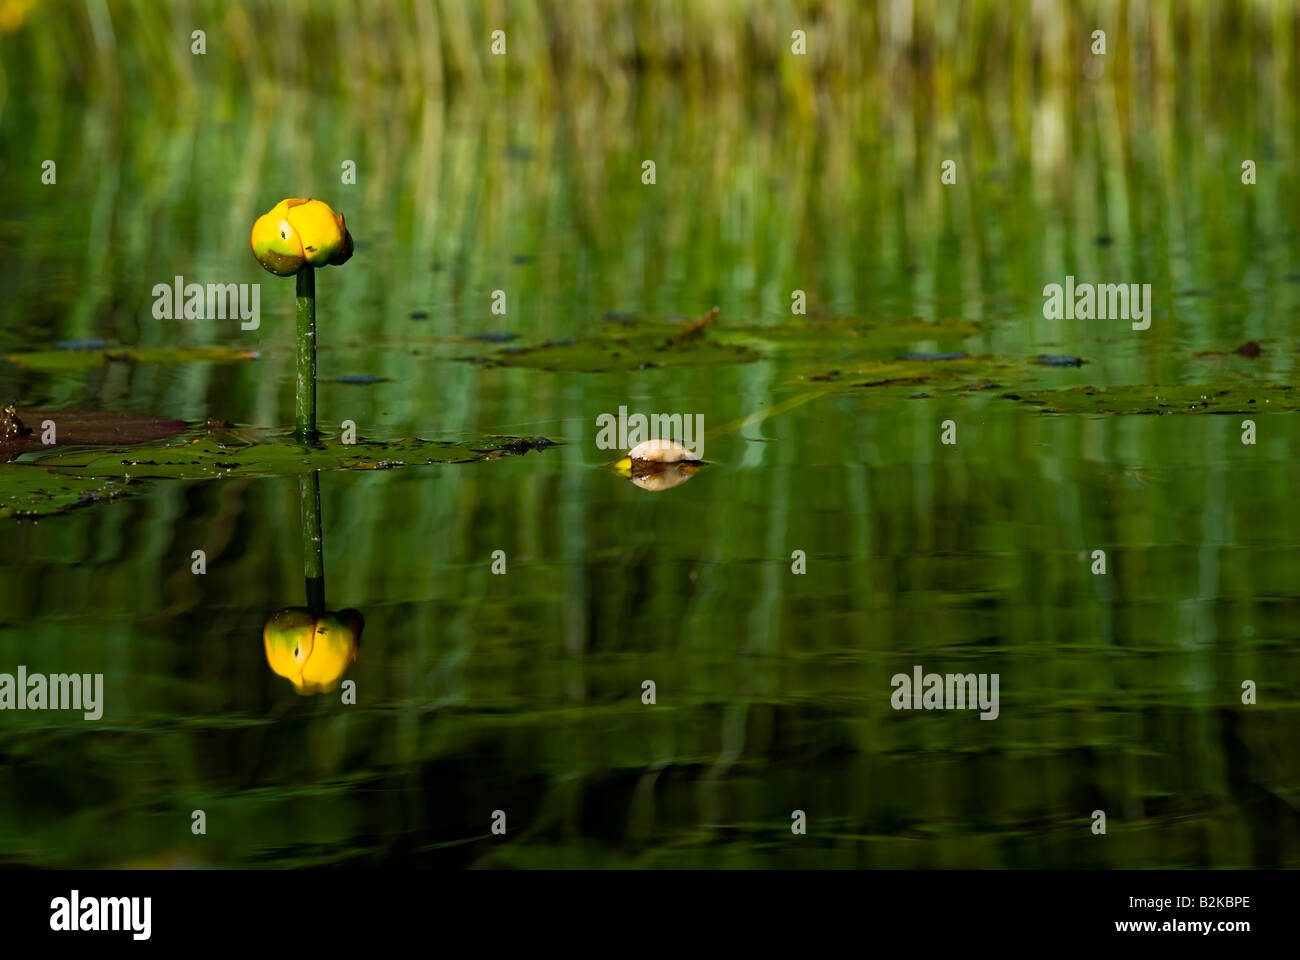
pixel 312 653
pixel 300 233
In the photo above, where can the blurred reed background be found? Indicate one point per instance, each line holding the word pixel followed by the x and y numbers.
pixel 787 150
pixel 774 173
pixel 124 49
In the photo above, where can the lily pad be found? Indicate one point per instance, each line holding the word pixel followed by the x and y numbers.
pixel 631 342
pixel 21 430
pixel 73 361
pixel 31 492
pixel 814 334
pixel 208 457
pixel 635 352
pixel 636 346
pixel 1179 398
pixel 952 370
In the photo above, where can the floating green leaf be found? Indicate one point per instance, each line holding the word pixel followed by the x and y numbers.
pixel 73 361
pixel 209 457
pixel 32 492
pixel 958 373
pixel 1180 398
pixel 635 352
pixel 634 343
pixel 813 335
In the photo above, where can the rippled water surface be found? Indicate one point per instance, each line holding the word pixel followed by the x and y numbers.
pixel 522 692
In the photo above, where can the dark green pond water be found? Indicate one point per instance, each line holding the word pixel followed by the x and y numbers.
pixel 522 692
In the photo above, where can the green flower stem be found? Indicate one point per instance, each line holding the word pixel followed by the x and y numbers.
pixel 313 545
pixel 306 389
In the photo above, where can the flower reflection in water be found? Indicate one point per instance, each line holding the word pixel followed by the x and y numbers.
pixel 311 646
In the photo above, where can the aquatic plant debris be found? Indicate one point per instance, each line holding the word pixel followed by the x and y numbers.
pixel 657 465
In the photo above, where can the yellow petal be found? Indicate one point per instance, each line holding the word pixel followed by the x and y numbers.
pixel 289 638
pixel 333 647
pixel 276 243
pixel 318 229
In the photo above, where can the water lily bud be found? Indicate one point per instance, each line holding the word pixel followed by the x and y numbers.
pixel 297 233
